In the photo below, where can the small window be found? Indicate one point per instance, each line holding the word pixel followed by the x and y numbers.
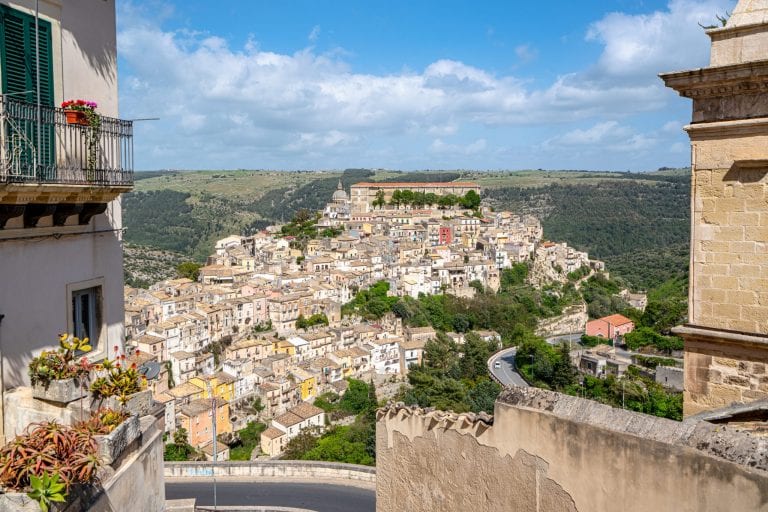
pixel 86 314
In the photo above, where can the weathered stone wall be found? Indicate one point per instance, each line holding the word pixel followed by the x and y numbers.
pixel 573 320
pixel 548 452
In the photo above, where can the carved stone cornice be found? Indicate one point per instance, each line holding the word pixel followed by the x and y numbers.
pixel 738 79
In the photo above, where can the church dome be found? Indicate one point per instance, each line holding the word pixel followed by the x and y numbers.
pixel 339 195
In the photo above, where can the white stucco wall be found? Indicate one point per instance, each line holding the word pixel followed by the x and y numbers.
pixel 34 276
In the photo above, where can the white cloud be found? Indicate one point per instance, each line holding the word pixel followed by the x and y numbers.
pixel 608 136
pixel 248 106
pixel 647 44
pixel 526 52
pixel 314 34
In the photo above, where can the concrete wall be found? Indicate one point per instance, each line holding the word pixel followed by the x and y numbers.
pixel 138 483
pixel 670 377
pixel 281 469
pixel 549 452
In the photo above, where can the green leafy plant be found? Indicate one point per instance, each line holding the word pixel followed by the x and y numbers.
pixel 46 490
pixel 120 380
pixel 61 363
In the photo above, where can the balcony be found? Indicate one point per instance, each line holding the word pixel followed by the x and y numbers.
pixel 61 162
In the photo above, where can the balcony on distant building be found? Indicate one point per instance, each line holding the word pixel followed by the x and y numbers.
pixel 62 168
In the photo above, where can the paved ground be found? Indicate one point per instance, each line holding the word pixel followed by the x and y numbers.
pixel 506 372
pixel 313 496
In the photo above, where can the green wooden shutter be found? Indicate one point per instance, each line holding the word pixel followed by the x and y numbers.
pixel 17 33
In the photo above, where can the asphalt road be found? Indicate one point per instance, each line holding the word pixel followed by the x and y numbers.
pixel 319 497
pixel 506 373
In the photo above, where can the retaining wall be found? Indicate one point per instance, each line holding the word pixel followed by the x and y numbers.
pixel 281 469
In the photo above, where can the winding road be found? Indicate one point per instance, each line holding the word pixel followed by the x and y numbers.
pixel 506 373
pixel 319 497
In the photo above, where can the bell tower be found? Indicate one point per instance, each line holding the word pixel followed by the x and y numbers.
pixel 726 339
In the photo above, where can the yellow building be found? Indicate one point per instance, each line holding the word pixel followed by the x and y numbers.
pixel 344 358
pixel 221 385
pixel 306 382
pixel 283 347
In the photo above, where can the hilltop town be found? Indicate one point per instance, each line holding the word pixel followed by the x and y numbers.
pixel 263 322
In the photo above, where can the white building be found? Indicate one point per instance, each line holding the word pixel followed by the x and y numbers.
pixel 60 183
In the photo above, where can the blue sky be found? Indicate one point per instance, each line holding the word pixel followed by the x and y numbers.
pixel 409 85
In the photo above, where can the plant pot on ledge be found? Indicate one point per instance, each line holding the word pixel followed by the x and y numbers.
pixel 112 445
pixel 138 404
pixel 61 391
pixel 20 502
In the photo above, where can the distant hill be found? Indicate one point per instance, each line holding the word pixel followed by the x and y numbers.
pixel 637 222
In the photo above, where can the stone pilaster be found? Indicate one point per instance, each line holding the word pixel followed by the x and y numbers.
pixel 726 343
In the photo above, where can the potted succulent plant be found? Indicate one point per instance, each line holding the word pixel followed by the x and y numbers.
pixel 45 464
pixel 120 386
pixel 59 375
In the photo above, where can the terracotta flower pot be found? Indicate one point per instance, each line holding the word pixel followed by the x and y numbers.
pixel 76 117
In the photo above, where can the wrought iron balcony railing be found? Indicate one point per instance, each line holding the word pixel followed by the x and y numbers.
pixel 56 152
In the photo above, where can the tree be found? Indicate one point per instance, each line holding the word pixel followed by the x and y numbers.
pixel 440 353
pixel 304 441
pixel 379 202
pixel 471 200
pixel 180 449
pixel 188 269
pixel 302 216
pixel 397 198
pixel 357 397
pixel 483 396
pixel 447 201
pixel 475 353
pixel 563 370
pixel 181 436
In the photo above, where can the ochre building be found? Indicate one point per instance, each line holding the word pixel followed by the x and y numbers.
pixel 726 347
pixel 364 194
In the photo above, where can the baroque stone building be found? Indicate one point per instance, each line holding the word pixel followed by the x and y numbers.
pixel 726 340
pixel 363 195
